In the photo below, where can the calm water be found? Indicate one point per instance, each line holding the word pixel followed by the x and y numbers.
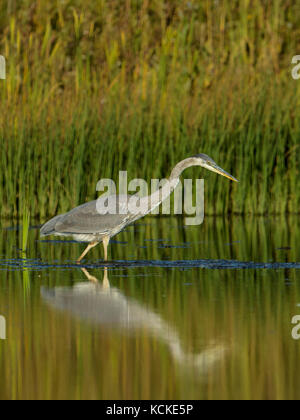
pixel 181 312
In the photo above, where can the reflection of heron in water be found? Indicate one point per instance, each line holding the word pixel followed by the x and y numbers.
pixel 108 306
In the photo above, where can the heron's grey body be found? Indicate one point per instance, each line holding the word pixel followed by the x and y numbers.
pixel 86 223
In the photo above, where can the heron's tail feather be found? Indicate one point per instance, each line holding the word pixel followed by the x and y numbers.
pixel 49 227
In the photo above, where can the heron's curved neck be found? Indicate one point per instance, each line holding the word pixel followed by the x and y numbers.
pixel 155 199
pixel 180 167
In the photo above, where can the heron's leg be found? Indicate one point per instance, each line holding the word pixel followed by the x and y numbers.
pixel 105 282
pixel 106 240
pixel 88 248
pixel 89 276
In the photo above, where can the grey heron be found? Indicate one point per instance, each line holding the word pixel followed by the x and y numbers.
pixel 89 224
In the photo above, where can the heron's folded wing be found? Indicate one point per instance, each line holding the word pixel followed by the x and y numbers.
pixel 86 219
pixel 49 227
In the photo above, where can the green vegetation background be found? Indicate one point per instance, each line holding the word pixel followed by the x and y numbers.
pixel 98 86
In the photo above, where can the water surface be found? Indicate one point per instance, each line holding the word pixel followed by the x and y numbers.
pixel 178 312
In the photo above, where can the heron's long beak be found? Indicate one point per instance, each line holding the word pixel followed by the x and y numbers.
pixel 220 171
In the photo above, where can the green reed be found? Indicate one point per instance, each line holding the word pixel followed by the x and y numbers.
pixel 25 228
pixel 25 233
pixel 105 85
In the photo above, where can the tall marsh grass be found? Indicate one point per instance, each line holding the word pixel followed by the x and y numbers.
pixel 25 228
pixel 97 86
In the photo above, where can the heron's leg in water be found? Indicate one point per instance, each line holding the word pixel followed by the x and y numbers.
pixel 88 248
pixel 105 282
pixel 89 276
pixel 105 245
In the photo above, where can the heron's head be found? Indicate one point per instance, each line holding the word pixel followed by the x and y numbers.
pixel 208 163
